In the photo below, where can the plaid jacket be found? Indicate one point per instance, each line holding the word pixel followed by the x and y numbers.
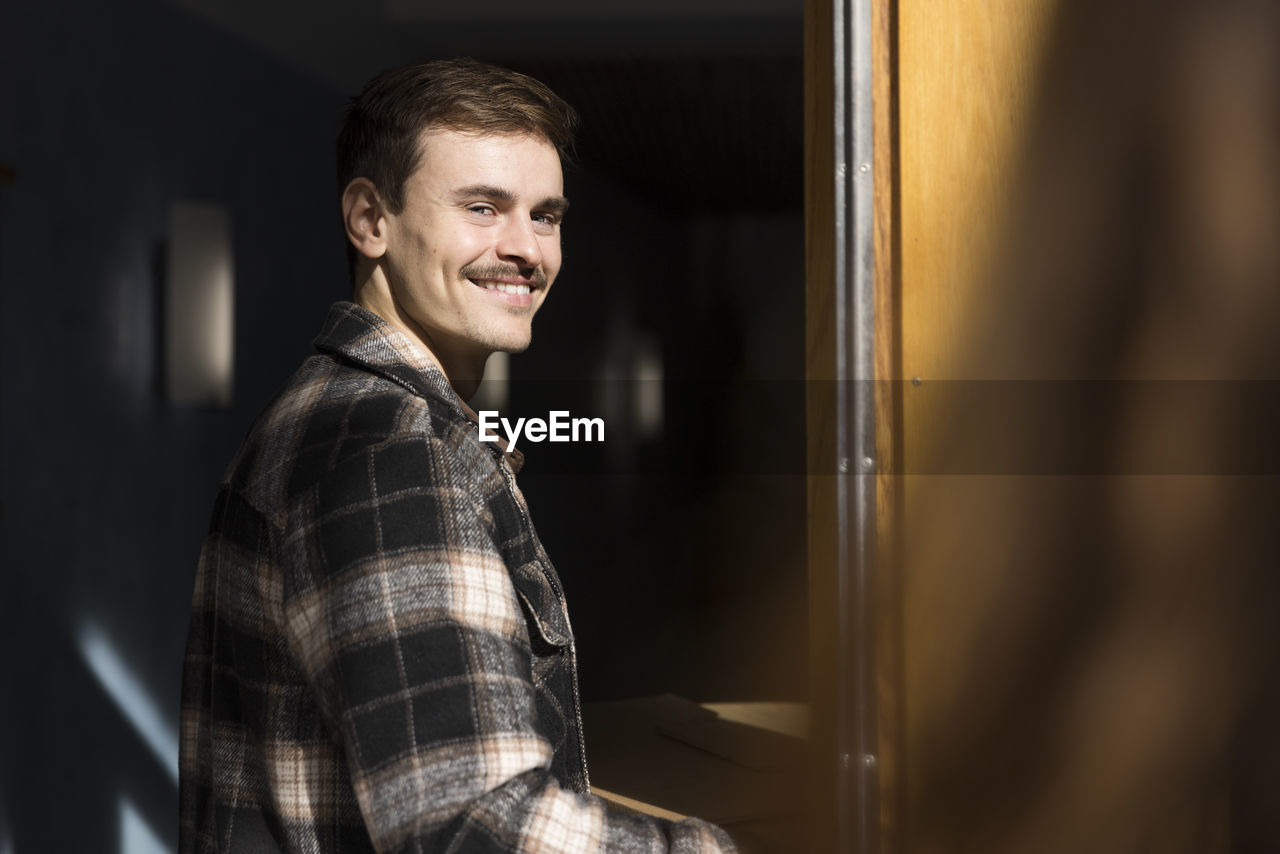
pixel 380 657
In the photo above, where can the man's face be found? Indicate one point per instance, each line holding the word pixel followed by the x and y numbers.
pixel 473 253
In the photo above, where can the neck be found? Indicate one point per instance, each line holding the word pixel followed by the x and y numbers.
pixel 463 370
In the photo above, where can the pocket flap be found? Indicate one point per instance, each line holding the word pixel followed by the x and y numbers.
pixel 541 604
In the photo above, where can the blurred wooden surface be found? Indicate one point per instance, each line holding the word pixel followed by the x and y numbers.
pixel 738 765
pixel 1084 190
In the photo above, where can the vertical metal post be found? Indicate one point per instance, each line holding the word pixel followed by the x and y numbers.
pixel 858 779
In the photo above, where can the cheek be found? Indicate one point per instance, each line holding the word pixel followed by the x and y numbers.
pixel 551 257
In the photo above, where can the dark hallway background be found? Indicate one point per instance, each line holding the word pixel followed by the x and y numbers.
pixel 683 249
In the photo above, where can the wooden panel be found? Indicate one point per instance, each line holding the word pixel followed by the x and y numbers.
pixel 965 74
pixel 966 69
pixel 888 425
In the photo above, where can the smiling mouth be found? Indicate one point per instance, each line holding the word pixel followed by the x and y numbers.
pixel 508 280
pixel 502 287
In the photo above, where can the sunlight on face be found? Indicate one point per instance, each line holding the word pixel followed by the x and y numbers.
pixel 475 250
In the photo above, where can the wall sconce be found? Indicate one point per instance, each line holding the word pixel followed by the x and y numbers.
pixel 199 323
pixel 647 390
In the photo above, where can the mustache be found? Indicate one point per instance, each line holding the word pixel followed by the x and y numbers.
pixel 537 278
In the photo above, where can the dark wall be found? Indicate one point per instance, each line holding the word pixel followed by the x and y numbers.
pixel 110 113
pixel 682 552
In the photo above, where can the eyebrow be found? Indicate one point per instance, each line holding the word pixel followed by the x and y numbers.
pixel 556 204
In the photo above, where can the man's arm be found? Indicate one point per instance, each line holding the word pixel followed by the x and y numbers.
pixel 403 614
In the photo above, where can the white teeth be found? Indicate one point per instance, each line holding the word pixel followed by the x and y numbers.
pixel 504 288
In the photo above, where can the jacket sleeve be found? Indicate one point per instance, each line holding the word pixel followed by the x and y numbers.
pixel 405 620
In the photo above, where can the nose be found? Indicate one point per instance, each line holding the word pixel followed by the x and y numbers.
pixel 518 242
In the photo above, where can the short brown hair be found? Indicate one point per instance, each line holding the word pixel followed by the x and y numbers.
pixel 382 127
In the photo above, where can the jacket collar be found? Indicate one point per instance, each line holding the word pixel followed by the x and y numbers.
pixel 357 334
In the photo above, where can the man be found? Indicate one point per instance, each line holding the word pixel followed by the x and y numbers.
pixel 380 657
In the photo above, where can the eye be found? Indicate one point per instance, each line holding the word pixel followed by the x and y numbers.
pixel 546 218
pixel 480 208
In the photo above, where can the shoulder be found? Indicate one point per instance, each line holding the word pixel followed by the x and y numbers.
pixel 346 433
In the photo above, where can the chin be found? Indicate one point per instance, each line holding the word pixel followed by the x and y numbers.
pixel 514 342
pixel 519 347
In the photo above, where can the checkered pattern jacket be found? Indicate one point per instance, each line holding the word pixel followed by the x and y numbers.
pixel 380 658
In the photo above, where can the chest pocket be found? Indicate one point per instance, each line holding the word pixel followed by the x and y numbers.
pixel 548 625
pixel 552 667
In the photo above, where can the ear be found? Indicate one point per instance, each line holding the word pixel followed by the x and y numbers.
pixel 364 219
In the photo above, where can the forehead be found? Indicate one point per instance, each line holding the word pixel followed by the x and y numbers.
pixel 524 163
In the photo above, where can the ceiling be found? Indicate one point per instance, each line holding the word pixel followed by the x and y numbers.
pixel 344 41
pixel 695 102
